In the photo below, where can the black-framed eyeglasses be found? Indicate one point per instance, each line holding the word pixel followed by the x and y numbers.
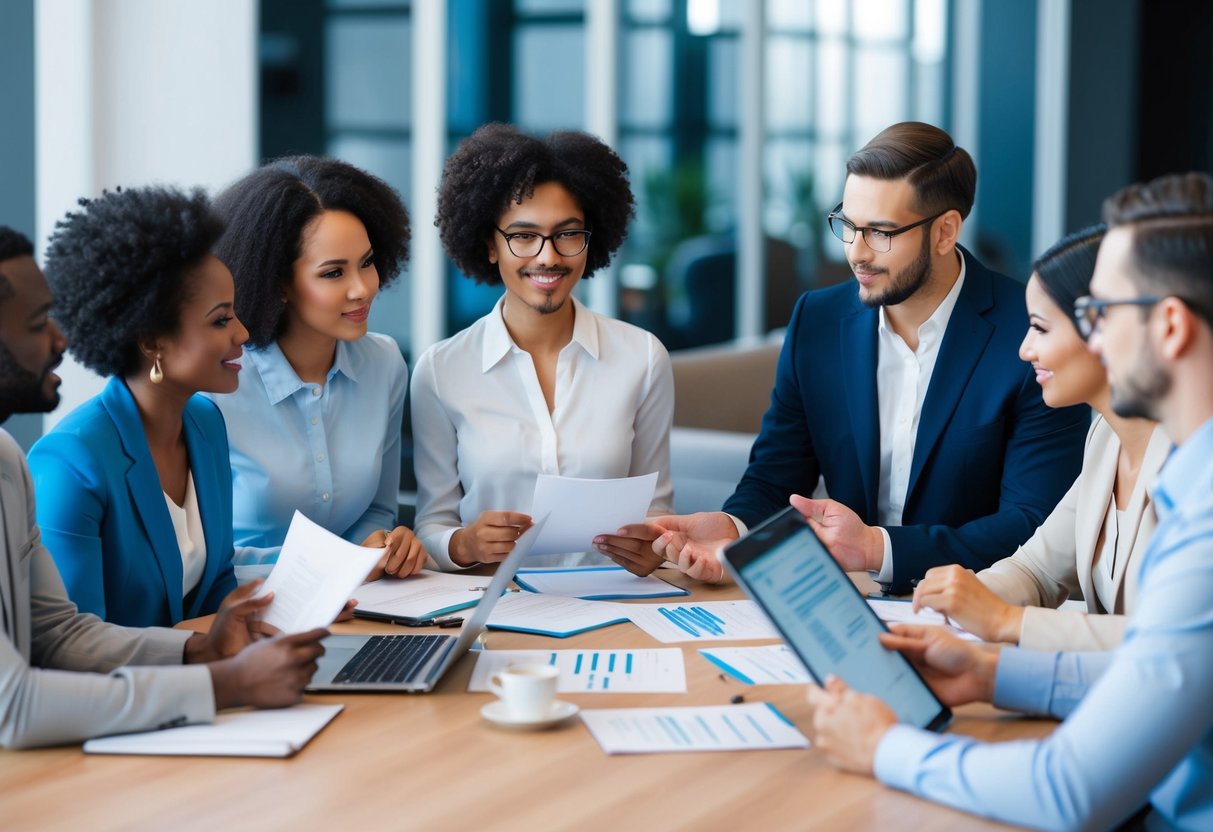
pixel 568 243
pixel 877 239
pixel 1089 311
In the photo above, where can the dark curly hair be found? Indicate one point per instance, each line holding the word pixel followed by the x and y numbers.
pixel 13 244
pixel 266 213
pixel 119 270
pixel 498 164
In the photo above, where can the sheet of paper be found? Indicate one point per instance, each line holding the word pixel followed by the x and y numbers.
pixel 553 615
pixel 580 509
pixel 593 671
pixel 269 733
pixel 596 583
pixel 706 621
pixel 892 611
pixel 423 595
pixel 713 728
pixel 769 664
pixel 316 573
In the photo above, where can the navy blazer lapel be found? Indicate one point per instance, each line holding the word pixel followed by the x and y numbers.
pixel 964 341
pixel 146 493
pixel 208 487
pixel 857 336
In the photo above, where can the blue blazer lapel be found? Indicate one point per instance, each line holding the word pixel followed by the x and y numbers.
pixel 964 341
pixel 146 494
pixel 857 335
pixel 209 488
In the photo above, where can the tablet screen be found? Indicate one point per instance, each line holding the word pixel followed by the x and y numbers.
pixel 825 619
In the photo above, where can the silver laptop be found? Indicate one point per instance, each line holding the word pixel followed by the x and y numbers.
pixel 413 663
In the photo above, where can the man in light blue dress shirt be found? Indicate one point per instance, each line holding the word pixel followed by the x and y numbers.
pixel 1138 723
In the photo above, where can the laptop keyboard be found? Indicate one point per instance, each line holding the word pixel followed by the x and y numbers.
pixel 390 659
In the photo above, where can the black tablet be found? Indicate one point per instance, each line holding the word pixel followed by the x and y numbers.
pixel 823 617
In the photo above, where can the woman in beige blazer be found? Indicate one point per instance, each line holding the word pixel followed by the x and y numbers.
pixel 1093 541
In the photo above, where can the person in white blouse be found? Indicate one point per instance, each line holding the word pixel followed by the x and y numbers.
pixel 1093 541
pixel 540 385
pixel 315 425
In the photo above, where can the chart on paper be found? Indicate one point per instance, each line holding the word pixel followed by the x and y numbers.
pixel 707 621
pixel 711 728
pixel 593 671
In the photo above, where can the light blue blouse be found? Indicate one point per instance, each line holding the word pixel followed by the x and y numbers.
pixel 1138 721
pixel 330 450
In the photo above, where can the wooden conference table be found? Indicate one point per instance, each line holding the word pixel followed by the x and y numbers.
pixel 431 762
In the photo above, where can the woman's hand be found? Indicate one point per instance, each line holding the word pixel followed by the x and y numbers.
pixel 957 593
pixel 489 539
pixel 403 553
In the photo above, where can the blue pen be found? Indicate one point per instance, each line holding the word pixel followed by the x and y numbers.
pixel 678 622
pixel 705 620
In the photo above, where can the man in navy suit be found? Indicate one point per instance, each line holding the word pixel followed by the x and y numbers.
pixel 905 392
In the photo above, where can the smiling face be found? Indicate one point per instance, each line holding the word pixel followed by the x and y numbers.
pixel 1065 369
pixel 335 279
pixel 204 354
pixel 31 343
pixel 890 277
pixel 545 281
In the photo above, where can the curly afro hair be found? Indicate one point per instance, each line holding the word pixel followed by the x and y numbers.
pixel 498 164
pixel 266 213
pixel 120 267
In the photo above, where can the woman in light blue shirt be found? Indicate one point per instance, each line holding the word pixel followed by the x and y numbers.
pixel 315 424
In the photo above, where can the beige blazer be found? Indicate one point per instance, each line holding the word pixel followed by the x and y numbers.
pixel 42 635
pixel 1056 562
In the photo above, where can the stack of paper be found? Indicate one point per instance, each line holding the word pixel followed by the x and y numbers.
pixel 271 733
pixel 552 615
pixel 596 583
pixel 425 595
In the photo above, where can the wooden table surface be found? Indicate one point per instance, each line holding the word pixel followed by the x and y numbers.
pixel 429 761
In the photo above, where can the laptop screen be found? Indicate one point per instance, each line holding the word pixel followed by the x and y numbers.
pixel 825 619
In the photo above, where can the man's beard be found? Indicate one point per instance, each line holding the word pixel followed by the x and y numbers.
pixel 908 281
pixel 22 391
pixel 1143 388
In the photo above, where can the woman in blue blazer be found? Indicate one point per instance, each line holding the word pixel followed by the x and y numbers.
pixel 134 488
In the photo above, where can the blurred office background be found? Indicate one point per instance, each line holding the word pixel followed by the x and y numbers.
pixel 734 116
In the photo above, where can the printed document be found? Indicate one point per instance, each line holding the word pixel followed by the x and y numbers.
pixel 552 615
pixel 423 595
pixel 316 573
pixel 768 664
pixel 713 728
pixel 581 509
pixel 596 583
pixel 706 621
pixel 592 671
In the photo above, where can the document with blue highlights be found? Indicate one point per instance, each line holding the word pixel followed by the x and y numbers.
pixel 768 664
pixel 593 671
pixel 750 727
pixel 706 621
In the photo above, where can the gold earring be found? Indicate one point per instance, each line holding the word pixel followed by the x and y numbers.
pixel 156 375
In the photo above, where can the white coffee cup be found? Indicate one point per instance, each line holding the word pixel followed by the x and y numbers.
pixel 528 690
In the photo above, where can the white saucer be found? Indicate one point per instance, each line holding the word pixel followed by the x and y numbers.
pixel 497 713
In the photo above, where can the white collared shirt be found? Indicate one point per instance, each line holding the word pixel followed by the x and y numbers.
pixel 902 379
pixel 482 431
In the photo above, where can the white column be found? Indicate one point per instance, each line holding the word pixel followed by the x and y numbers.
pixel 134 92
pixel 602 119
pixel 966 92
pixel 751 248
pixel 428 267
pixel 1052 123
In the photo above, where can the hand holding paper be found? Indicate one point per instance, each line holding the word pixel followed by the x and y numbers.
pixel 316 573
